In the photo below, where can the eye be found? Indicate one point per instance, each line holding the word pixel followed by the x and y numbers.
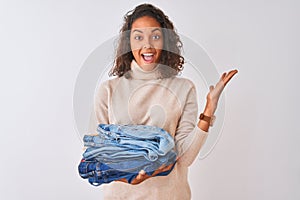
pixel 138 37
pixel 156 37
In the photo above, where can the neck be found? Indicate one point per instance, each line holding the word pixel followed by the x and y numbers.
pixel 148 67
pixel 145 72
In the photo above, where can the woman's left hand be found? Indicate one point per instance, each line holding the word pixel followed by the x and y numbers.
pixel 215 91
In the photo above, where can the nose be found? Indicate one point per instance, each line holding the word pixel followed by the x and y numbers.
pixel 147 44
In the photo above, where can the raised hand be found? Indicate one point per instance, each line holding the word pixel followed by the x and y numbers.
pixel 215 91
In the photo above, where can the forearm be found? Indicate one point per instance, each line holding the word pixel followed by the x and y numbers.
pixel 188 157
pixel 201 135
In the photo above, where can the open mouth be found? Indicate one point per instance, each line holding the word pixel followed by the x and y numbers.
pixel 148 57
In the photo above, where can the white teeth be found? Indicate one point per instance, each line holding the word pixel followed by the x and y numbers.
pixel 148 54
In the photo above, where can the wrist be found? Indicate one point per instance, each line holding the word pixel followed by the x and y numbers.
pixel 209 110
pixel 208 119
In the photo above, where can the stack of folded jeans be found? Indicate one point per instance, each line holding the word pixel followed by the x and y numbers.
pixel 122 151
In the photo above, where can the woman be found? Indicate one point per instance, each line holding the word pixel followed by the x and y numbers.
pixel 147 91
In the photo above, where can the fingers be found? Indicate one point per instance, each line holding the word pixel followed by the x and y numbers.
pixel 160 169
pixel 227 77
pixel 141 175
pixel 142 172
pixel 123 180
pixel 223 76
pixel 168 167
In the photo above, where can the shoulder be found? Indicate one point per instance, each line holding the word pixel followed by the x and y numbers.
pixel 183 81
pixel 182 87
pixel 109 83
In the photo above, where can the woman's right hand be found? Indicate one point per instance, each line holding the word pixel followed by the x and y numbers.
pixel 143 176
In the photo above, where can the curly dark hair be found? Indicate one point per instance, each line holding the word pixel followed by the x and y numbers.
pixel 171 52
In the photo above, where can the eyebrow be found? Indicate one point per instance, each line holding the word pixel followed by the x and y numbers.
pixel 136 30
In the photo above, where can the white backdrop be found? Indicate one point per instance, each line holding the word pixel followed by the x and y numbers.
pixel 43 44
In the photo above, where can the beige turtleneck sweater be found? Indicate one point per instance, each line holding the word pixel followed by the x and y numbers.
pixel 169 103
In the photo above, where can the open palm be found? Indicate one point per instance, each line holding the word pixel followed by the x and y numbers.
pixel 215 91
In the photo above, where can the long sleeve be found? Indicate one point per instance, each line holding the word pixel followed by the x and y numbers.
pixel 101 103
pixel 99 112
pixel 189 138
pixel 191 153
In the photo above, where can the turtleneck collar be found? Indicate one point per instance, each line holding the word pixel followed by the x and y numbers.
pixel 137 72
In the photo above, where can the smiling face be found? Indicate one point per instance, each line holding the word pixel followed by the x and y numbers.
pixel 146 42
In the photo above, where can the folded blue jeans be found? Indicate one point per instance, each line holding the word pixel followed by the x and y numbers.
pixel 122 151
pixel 99 173
pixel 137 164
pixel 123 141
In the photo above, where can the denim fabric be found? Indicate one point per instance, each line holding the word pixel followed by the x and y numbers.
pixel 129 140
pixel 140 163
pixel 117 152
pixel 122 151
pixel 155 137
pixel 99 173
